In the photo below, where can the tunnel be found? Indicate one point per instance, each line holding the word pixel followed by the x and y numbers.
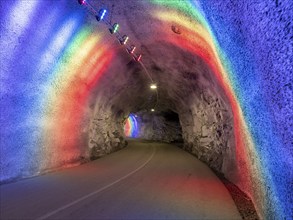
pixel 215 77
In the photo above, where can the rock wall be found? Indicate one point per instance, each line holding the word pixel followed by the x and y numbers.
pixel 257 36
pixel 105 134
pixel 208 131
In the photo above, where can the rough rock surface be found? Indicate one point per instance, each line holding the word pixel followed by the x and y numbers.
pixel 105 136
pixel 210 132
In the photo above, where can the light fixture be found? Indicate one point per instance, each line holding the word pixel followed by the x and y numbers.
pixel 153 86
pixel 114 28
pixel 123 40
pixel 137 58
pixel 131 49
pixel 101 14
pixel 81 2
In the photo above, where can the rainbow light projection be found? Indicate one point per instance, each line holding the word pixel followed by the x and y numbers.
pixel 51 61
pixel 131 128
pixel 199 38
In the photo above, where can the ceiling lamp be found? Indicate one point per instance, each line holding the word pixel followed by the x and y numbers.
pixel 124 40
pixel 152 109
pixel 114 28
pixel 81 2
pixel 153 86
pixel 101 14
pixel 137 58
pixel 131 49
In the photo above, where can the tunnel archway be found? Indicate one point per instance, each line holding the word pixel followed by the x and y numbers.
pixel 186 85
pixel 67 86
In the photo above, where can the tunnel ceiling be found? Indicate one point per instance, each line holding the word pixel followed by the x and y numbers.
pixel 179 73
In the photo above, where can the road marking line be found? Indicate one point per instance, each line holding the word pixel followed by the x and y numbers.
pixel 99 190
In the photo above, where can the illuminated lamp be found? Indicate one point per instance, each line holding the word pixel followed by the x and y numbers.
pixel 153 86
pixel 101 14
pixel 81 2
pixel 124 40
pixel 137 58
pixel 114 28
pixel 131 49
pixel 152 109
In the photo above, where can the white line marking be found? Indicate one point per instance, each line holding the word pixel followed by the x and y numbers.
pixel 49 214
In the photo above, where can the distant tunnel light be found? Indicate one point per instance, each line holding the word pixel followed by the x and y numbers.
pixel 124 40
pixel 153 86
pixel 101 14
pixel 81 2
pixel 114 28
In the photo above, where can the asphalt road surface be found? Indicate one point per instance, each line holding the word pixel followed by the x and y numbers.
pixel 143 181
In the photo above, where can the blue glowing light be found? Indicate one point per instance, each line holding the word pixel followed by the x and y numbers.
pixel 101 14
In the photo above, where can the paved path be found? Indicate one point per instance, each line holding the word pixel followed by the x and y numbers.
pixel 142 181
